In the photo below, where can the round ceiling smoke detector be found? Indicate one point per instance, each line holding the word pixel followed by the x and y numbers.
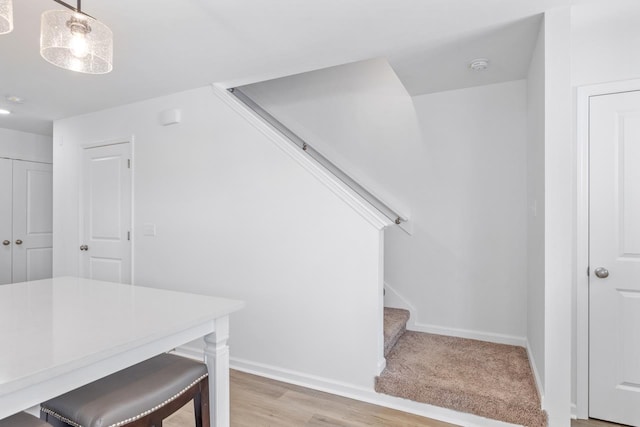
pixel 14 99
pixel 479 64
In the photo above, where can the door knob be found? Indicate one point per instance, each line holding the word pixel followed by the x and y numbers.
pixel 6 242
pixel 84 248
pixel 18 242
pixel 602 272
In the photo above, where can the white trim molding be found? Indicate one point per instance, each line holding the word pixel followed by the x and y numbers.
pixel 583 95
pixel 470 334
pixel 393 299
pixel 365 395
pixel 103 143
pixel 536 374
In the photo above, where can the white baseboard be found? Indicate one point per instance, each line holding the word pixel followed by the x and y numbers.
pixel 364 394
pixel 574 411
pixel 536 376
pixel 351 391
pixel 394 299
pixel 466 333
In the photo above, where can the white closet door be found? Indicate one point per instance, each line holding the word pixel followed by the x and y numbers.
pixel 6 243
pixel 106 205
pixel 614 251
pixel 32 221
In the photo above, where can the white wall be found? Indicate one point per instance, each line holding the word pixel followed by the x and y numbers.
pixel 237 217
pixel 559 175
pixel 25 146
pixel 359 116
pixel 536 212
pixel 604 42
pixel 462 270
pixel 465 266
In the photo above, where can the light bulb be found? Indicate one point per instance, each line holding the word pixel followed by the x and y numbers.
pixel 75 64
pixel 78 45
pixel 79 27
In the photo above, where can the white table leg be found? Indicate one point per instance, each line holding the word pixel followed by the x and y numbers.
pixel 216 354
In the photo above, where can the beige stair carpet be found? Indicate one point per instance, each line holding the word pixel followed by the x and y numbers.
pixel 482 378
pixel 395 324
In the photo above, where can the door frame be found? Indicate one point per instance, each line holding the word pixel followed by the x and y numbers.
pixel 583 97
pixel 116 141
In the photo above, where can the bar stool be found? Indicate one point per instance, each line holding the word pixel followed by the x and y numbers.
pixel 22 419
pixel 139 396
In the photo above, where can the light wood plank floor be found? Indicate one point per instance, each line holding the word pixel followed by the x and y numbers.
pixel 261 402
pixel 593 423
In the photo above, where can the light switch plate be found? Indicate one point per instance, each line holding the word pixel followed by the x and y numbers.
pixel 149 230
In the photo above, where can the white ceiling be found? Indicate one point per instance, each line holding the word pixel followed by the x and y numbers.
pixel 164 46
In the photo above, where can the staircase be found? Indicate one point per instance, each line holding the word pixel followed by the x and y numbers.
pixel 486 379
pixel 395 324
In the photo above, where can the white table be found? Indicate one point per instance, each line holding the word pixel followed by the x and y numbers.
pixel 58 334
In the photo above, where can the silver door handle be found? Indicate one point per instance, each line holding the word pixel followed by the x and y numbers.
pixel 602 272
pixel 84 248
pixel 18 242
pixel 6 242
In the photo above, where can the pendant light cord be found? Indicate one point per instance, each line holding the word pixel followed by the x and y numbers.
pixel 77 9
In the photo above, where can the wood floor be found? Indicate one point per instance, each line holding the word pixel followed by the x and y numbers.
pixel 592 423
pixel 261 402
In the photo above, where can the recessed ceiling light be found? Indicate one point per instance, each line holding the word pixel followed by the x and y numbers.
pixel 14 99
pixel 3 111
pixel 479 64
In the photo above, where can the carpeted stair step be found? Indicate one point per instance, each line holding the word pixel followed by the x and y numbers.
pixel 482 378
pixel 395 324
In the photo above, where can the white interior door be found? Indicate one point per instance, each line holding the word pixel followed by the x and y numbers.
pixel 614 246
pixel 32 221
pixel 6 214
pixel 106 247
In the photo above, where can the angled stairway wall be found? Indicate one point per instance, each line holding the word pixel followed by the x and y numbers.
pixel 357 115
pixel 454 162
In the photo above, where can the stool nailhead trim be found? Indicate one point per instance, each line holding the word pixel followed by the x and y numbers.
pixel 129 420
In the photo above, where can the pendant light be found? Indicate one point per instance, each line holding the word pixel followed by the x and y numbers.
pixel 75 41
pixel 6 16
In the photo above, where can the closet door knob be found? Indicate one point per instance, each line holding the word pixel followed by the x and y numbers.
pixel 18 242
pixel 6 242
pixel 602 272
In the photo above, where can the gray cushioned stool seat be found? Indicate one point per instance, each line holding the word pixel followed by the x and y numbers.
pixel 22 419
pixel 127 395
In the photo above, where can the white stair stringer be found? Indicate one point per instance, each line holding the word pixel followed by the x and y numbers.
pixel 393 299
pixel 343 191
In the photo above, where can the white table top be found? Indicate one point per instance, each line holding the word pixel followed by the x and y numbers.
pixel 55 328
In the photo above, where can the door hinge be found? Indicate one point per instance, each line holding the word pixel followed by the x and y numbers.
pixel 128 235
pixel 129 163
